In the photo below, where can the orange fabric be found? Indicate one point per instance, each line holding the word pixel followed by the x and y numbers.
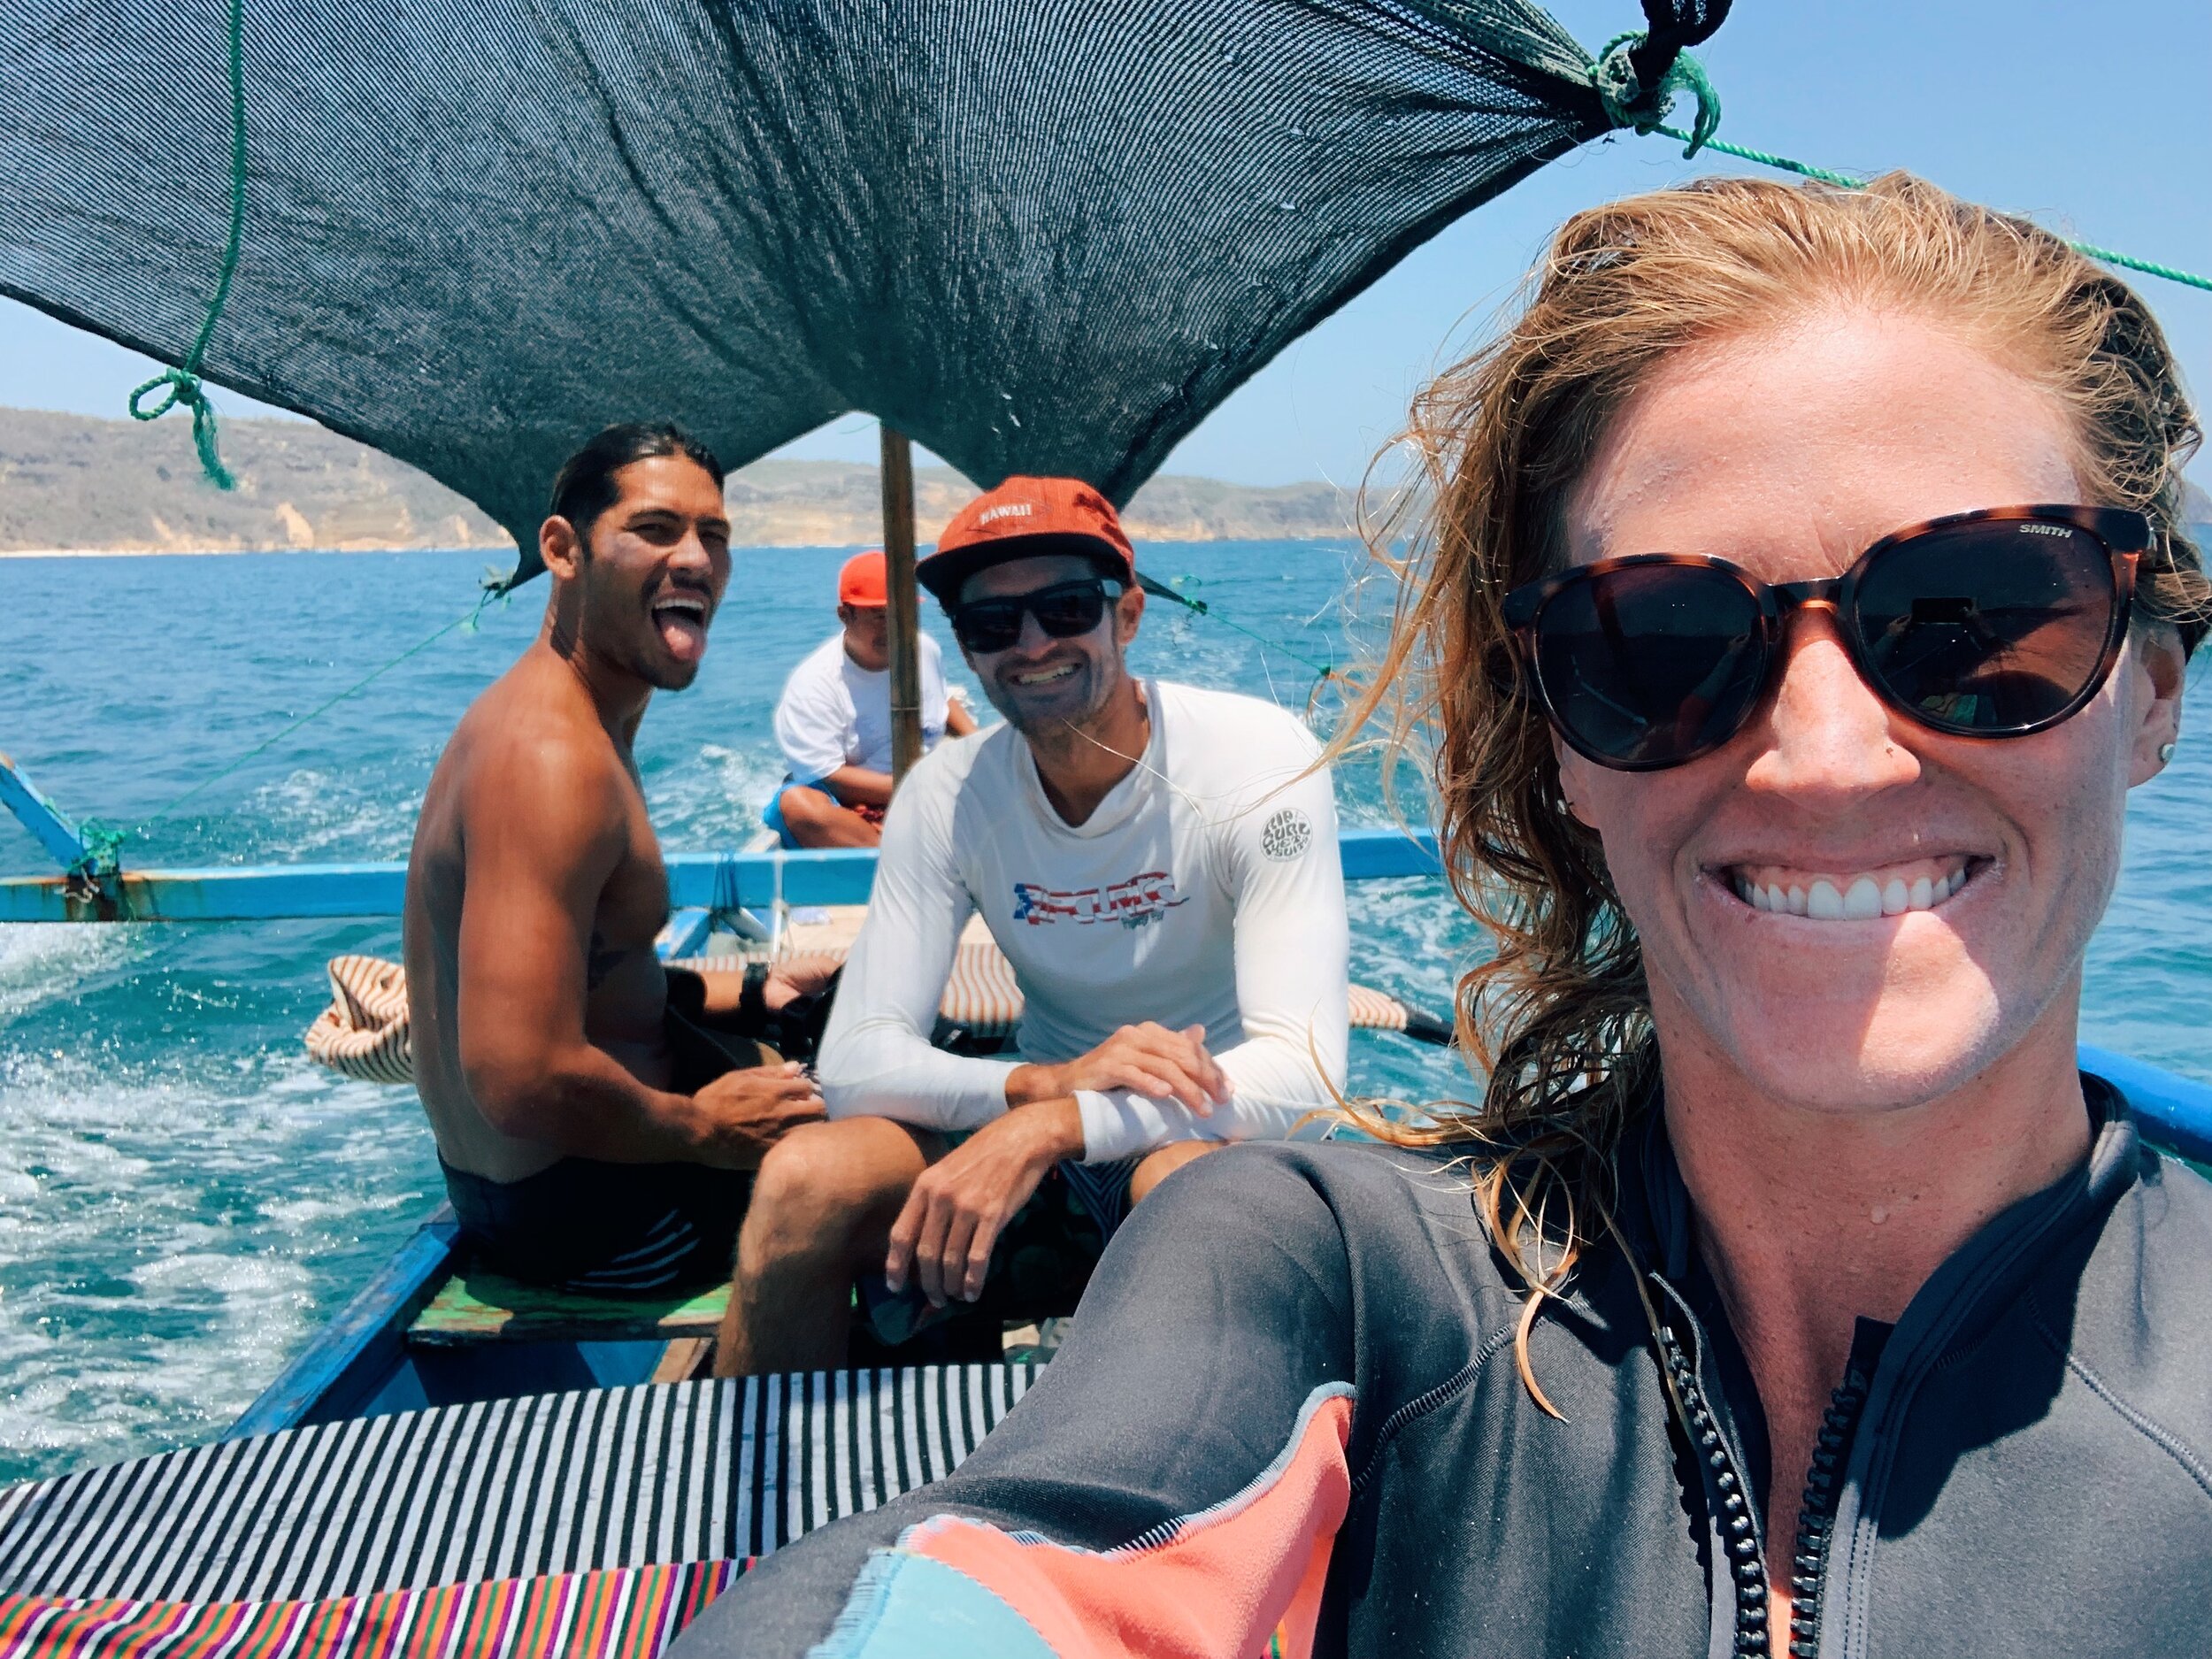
pixel 865 581
pixel 1227 1581
pixel 1024 507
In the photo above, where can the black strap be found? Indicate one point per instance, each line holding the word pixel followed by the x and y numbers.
pixel 1670 26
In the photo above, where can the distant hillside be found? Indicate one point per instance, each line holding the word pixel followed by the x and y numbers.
pixel 70 482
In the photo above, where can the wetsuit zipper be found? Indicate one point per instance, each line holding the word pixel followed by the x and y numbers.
pixel 1739 1531
pixel 1823 1482
pixel 1815 1514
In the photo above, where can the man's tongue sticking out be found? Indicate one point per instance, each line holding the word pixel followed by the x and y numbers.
pixel 683 623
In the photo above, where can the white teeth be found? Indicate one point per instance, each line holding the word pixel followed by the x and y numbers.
pixel 1863 898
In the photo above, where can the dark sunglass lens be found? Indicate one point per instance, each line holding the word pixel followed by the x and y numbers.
pixel 1988 628
pixel 987 627
pixel 1648 665
pixel 1064 612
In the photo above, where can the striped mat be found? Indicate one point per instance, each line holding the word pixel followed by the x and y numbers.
pixel 528 1490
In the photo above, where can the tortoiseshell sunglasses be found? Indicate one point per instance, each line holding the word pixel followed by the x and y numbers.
pixel 1990 624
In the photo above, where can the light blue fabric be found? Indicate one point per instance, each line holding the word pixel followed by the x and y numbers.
pixel 905 1606
pixel 771 815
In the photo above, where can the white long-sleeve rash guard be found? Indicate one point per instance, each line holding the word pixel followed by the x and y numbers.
pixel 1205 890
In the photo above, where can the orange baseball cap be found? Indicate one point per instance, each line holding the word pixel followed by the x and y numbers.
pixel 1022 518
pixel 864 580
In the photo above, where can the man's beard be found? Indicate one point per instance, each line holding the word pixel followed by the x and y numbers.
pixel 612 634
pixel 1047 718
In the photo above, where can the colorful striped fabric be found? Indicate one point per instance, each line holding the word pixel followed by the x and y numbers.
pixel 630 1613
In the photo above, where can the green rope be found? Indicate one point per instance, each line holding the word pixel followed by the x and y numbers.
pixel 1324 671
pixel 1847 181
pixel 1628 104
pixel 104 841
pixel 181 384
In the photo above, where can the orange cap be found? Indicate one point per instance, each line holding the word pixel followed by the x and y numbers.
pixel 864 580
pixel 1021 518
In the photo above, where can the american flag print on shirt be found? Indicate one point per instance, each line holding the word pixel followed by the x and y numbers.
pixel 1137 902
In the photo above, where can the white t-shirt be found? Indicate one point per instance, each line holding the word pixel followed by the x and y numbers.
pixel 835 713
pixel 1206 889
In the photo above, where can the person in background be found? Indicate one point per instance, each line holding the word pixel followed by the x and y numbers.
pixel 833 720
pixel 597 1115
pixel 1159 864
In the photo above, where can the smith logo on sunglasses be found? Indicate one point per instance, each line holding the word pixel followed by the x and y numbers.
pixel 1994 624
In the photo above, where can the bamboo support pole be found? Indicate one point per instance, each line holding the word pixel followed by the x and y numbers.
pixel 898 556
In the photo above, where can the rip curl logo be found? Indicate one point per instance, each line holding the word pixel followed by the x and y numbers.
pixel 1139 901
pixel 1286 835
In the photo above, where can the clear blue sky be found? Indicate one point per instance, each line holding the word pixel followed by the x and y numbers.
pixel 2096 119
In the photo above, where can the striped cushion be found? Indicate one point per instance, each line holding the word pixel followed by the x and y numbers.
pixel 525 1489
pixel 363 1033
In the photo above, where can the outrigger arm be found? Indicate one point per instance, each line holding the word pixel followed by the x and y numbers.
pixel 88 868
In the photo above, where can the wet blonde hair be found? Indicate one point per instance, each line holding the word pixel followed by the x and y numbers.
pixel 1559 1018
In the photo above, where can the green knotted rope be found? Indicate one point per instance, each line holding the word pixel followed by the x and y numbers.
pixel 1630 104
pixel 1847 181
pixel 1644 111
pixel 181 384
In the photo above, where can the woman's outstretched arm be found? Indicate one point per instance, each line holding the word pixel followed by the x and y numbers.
pixel 1172 1484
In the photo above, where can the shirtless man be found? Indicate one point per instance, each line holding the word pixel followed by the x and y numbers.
pixel 597 1118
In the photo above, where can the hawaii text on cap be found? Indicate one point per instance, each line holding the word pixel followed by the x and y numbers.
pixel 1022 518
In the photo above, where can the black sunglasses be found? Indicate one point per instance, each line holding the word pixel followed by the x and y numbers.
pixel 1063 610
pixel 1990 624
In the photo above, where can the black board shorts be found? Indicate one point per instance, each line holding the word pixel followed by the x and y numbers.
pixel 619 1229
pixel 1040 1264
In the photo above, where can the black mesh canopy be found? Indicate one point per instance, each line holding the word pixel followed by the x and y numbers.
pixel 1038 235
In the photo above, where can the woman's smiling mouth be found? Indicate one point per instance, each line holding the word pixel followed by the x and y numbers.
pixel 1857 895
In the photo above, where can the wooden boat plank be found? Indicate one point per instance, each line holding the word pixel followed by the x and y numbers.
pixel 476 1306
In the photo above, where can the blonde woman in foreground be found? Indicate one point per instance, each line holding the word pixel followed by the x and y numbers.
pixel 1804 594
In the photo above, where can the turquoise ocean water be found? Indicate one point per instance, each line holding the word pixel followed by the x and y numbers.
pixel 184 1197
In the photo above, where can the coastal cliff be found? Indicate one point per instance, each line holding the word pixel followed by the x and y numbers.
pixel 73 483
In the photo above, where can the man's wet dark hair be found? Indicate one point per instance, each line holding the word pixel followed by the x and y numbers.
pixel 584 486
